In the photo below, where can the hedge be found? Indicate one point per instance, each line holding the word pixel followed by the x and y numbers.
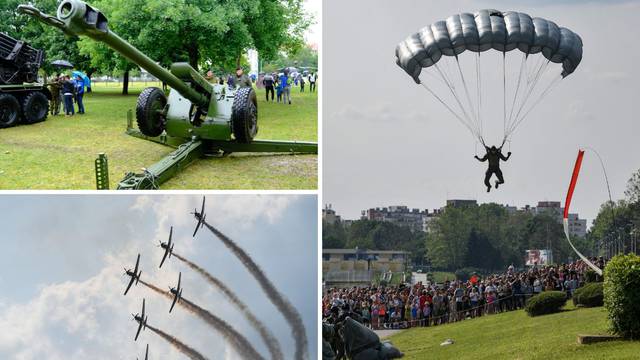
pixel 590 295
pixel 547 302
pixel 622 295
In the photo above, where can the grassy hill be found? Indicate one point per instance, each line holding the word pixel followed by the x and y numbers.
pixel 59 153
pixel 515 335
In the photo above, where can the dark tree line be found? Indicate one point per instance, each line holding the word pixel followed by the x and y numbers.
pixel 206 33
pixel 489 237
pixel 486 237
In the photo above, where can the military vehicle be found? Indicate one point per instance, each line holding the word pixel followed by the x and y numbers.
pixel 197 118
pixel 22 98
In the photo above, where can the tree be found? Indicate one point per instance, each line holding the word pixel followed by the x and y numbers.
pixel 448 238
pixel 199 31
pixel 333 236
pixel 304 57
pixel 633 188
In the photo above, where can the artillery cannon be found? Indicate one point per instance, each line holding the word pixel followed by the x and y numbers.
pixel 21 96
pixel 198 118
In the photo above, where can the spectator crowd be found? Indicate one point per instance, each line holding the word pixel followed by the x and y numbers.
pixel 431 304
pixel 67 91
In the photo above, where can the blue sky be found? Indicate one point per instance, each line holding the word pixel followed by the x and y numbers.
pixel 62 262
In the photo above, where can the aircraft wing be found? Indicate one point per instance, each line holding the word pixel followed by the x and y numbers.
pixel 139 328
pixel 197 226
pixel 130 283
pixel 174 302
pixel 137 264
pixel 166 252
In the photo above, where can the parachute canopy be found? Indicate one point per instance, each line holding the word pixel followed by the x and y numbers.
pixel 485 30
pixel 436 51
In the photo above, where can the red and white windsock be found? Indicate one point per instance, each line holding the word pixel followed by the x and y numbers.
pixel 567 203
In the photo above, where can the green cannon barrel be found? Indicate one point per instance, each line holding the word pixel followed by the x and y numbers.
pixel 76 17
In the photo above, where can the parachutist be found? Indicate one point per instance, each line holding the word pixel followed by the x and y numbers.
pixel 494 155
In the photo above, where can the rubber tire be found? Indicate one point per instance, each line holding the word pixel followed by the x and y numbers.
pixel 12 106
pixel 150 121
pixel 244 115
pixel 35 108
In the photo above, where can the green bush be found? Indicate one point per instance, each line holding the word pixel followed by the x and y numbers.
pixel 547 302
pixel 590 276
pixel 590 295
pixel 622 295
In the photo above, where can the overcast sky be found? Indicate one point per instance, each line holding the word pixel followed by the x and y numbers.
pixel 313 8
pixel 386 141
pixel 62 259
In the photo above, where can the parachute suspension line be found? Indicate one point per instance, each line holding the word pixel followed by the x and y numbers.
pixel 549 88
pixel 515 96
pixel 472 108
pixel 479 91
pixel 537 66
pixel 504 95
pixel 455 95
pixel 541 70
pixel 448 108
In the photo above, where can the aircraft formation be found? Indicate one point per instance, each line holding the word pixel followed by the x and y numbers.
pixel 141 318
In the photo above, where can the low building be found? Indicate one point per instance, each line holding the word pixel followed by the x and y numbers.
pixel 459 203
pixel 356 267
pixel 329 215
pixel 399 215
pixel 577 226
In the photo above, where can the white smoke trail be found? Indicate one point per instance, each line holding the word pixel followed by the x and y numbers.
pixel 267 336
pixel 286 308
pixel 183 348
pixel 238 341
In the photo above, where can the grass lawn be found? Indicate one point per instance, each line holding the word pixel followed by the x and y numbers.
pixel 60 152
pixel 514 335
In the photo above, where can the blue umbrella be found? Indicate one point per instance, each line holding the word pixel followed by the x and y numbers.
pixel 85 78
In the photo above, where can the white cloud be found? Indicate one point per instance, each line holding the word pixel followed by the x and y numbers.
pixel 89 318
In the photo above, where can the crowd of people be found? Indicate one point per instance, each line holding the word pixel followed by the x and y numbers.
pixel 431 304
pixel 277 85
pixel 280 84
pixel 67 91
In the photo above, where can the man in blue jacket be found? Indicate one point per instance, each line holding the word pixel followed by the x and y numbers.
pixel 79 84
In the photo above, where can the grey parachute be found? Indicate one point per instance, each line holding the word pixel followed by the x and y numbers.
pixel 480 32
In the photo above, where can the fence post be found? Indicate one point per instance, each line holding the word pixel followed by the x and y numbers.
pixel 102 172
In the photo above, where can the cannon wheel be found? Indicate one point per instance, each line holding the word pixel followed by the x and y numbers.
pixel 149 107
pixel 244 115
pixel 9 110
pixel 35 107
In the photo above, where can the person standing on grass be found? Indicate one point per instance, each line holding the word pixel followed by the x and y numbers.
pixel 79 85
pixel 312 82
pixel 301 83
pixel 55 87
pixel 269 84
pixel 285 86
pixel 68 88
